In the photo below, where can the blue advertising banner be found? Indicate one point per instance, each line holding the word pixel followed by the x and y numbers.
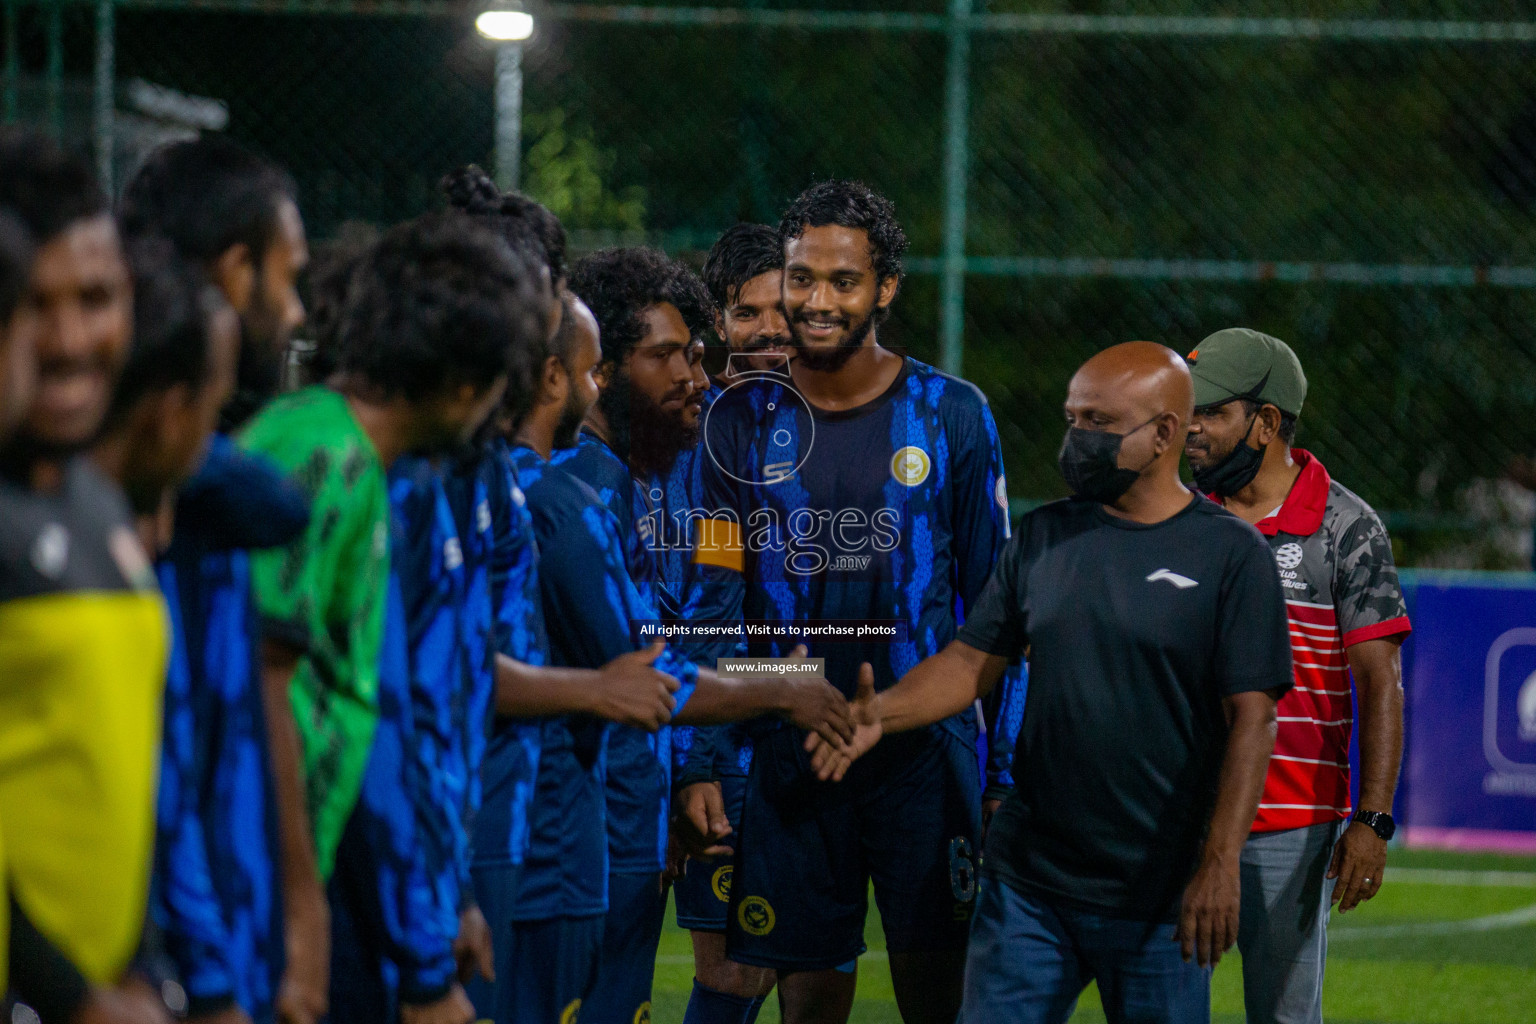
pixel 1469 777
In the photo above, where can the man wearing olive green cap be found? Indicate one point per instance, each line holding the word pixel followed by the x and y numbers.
pixel 1347 621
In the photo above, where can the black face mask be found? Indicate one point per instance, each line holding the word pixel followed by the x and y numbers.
pixel 1090 463
pixel 1234 472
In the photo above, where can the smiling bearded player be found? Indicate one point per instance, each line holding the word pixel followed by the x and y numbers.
pixel 869 488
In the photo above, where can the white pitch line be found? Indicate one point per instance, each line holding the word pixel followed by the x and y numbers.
pixel 1407 876
pixel 877 955
pixel 1491 923
pixel 1436 876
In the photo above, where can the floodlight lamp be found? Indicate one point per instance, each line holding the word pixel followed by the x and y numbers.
pixel 505 25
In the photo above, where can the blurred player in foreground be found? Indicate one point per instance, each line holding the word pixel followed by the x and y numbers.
pixel 1154 626
pixel 1347 623
pixel 235 215
pixel 220 896
pixel 83 632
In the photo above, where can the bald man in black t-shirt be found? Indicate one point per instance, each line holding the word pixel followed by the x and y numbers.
pixel 1155 631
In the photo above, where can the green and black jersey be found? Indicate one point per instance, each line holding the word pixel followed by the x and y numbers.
pixel 83 639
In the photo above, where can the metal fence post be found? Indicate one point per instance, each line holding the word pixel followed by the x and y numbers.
pixel 102 107
pixel 53 83
pixel 12 63
pixel 956 115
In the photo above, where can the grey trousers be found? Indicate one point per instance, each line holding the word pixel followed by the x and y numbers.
pixel 1283 934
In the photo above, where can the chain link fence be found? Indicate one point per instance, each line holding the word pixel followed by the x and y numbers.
pixel 1354 176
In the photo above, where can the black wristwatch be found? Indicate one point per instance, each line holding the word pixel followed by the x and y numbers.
pixel 1379 822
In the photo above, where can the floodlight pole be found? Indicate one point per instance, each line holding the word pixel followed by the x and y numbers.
pixel 509 113
pixel 956 116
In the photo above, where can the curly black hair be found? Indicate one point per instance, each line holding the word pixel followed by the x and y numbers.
pixel 441 301
pixel 525 223
pixel 327 280
pixel 619 284
pixel 742 253
pixel 850 204
pixel 172 305
pixel 48 187
pixel 206 195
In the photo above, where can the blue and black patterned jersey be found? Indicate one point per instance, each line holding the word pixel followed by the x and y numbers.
pixel 216 895
pixel 509 771
pixel 639 783
pixel 674 503
pixel 409 814
pixel 895 510
pixel 589 602
pixel 468 484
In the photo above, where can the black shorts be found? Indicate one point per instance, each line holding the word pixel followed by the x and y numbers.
pixel 907 817
pixel 544 969
pixel 631 934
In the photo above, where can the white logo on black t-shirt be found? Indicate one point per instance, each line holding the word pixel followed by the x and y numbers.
pixel 1168 575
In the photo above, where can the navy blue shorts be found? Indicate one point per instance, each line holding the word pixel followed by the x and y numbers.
pixel 703 894
pixel 906 817
pixel 1029 959
pixel 544 969
pixel 631 932
pixel 364 982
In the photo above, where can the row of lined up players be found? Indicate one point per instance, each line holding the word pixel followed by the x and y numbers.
pixel 341 683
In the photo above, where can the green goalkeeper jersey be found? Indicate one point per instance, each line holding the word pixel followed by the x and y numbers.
pixel 324 594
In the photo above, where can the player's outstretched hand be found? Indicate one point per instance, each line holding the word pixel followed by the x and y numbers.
pixel 453 1008
pixel 699 820
pixel 830 760
pixel 632 691
pixel 813 704
pixel 1208 919
pixel 472 949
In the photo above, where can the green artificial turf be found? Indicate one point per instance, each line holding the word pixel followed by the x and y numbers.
pixel 1470 973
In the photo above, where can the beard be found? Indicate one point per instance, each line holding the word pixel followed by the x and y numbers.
pixel 830 360
pixel 259 373
pixel 568 431
pixel 646 435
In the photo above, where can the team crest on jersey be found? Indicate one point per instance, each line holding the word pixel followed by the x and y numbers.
pixel 720 884
pixel 1000 492
pixel 910 466
pixel 777 472
pixel 1288 556
pixel 756 916
pixel 571 1012
pixel 643 1013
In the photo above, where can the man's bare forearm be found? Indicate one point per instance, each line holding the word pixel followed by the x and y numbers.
pixel 534 691
pixel 1250 741
pixel 300 871
pixel 1378 671
pixel 939 686
pixel 718 699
